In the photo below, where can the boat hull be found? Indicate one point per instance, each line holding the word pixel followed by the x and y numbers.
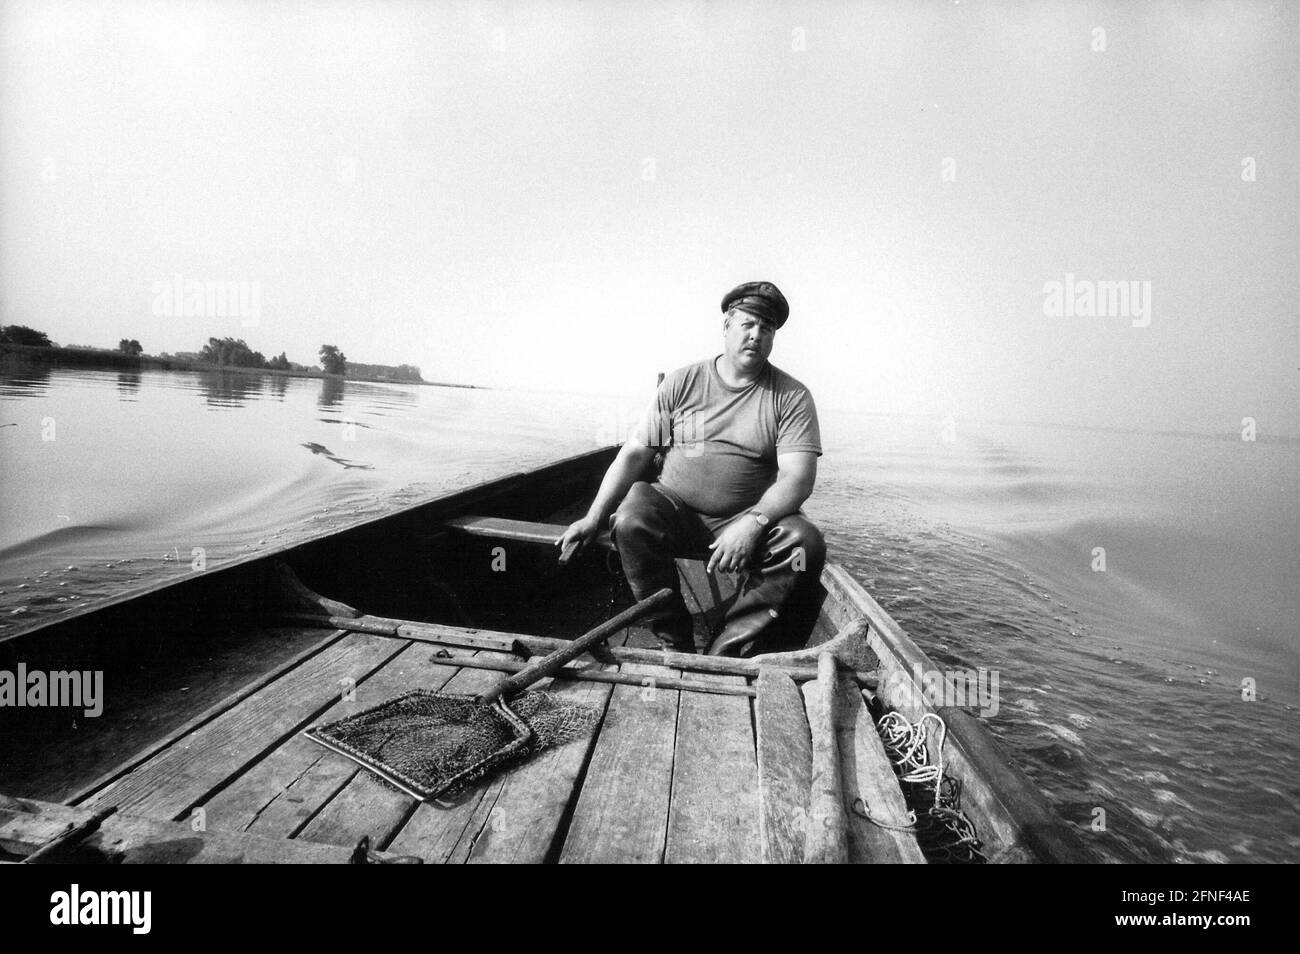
pixel 651 785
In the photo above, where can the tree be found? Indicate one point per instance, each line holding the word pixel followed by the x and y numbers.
pixel 333 360
pixel 231 353
pixel 22 335
pixel 131 347
pixel 279 363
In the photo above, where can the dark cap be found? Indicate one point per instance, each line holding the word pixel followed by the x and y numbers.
pixel 762 299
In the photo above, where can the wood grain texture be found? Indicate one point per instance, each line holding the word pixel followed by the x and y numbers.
pixel 622 811
pixel 193 723
pixel 525 813
pixel 784 767
pixel 184 774
pixel 129 839
pixel 285 790
pixel 713 815
pixel 867 775
pixel 516 816
pixel 520 531
pixel 827 839
pixel 527 818
pixel 533 645
pixel 368 806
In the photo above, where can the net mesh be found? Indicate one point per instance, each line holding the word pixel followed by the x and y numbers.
pixel 438 743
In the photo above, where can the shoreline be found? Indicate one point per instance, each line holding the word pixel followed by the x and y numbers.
pixel 117 361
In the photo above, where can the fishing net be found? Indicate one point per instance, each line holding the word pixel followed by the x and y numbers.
pixel 431 744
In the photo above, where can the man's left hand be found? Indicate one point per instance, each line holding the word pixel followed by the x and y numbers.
pixel 735 545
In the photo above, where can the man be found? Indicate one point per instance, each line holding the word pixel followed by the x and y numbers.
pixel 742 442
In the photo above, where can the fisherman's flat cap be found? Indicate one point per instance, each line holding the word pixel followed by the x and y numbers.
pixel 758 298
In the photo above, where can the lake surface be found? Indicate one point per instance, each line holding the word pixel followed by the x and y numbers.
pixel 1121 685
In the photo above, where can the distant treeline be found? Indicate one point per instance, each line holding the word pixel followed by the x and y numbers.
pixel 218 353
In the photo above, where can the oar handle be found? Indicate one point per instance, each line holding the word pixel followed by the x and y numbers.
pixel 551 663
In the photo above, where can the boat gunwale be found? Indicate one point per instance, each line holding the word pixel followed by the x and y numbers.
pixel 464 496
pixel 1017 809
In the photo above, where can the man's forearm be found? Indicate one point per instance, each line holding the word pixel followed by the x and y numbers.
pixel 784 497
pixel 622 474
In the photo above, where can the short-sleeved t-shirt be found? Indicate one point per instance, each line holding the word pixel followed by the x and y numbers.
pixel 722 442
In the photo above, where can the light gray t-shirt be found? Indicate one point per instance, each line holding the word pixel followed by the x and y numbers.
pixel 722 442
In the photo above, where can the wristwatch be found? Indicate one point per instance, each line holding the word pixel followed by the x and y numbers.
pixel 761 517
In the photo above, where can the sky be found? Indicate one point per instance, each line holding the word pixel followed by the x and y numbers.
pixel 556 195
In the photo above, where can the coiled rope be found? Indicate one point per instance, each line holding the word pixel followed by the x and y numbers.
pixel 906 748
pixel 943 832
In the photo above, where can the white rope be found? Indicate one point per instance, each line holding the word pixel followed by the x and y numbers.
pixel 860 808
pixel 905 743
pixel 908 744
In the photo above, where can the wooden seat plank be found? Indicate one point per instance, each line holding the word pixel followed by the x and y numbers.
pixel 713 817
pixel 866 774
pixel 622 810
pixel 522 531
pixel 183 774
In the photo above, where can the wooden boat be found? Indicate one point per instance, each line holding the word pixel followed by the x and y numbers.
pixel 687 763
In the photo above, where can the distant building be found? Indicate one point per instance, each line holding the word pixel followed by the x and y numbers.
pixel 384 372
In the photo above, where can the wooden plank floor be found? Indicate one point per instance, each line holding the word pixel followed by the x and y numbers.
pixel 669 776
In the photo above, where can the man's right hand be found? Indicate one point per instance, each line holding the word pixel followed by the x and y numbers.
pixel 577 536
pixel 632 460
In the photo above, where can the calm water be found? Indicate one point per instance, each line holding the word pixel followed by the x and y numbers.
pixel 1120 689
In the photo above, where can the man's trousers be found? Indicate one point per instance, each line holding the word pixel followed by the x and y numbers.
pixel 652 527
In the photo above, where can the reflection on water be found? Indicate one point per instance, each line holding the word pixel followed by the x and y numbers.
pixel 229 388
pixel 331 393
pixel 128 383
pixel 20 375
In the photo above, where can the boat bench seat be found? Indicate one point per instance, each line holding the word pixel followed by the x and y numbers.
pixel 524 531
pixel 706 594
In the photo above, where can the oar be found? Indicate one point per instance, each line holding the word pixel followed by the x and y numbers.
pixel 592 674
pixel 532 645
pixel 551 663
pixel 827 841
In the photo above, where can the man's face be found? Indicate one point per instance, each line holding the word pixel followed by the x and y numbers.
pixel 748 340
